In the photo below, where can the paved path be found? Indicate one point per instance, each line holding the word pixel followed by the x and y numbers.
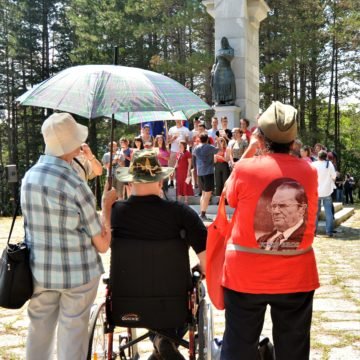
pixel 336 320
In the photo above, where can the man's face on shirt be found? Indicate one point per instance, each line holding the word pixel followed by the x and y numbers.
pixel 286 212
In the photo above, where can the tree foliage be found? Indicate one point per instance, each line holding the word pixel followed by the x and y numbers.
pixel 308 58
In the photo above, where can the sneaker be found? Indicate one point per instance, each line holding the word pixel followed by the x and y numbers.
pixel 327 236
pixel 167 349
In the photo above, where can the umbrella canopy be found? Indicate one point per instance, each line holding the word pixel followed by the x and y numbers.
pixel 131 95
pixel 149 116
pixel 26 94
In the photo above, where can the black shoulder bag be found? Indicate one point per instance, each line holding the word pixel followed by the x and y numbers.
pixel 16 282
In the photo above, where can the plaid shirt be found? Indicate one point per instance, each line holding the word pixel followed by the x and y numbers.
pixel 60 219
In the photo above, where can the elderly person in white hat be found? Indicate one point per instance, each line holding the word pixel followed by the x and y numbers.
pixel 65 235
pixel 281 273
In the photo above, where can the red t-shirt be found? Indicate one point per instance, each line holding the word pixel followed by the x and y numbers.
pixel 273 194
pixel 220 156
pixel 248 135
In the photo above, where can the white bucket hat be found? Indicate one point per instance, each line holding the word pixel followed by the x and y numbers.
pixel 62 134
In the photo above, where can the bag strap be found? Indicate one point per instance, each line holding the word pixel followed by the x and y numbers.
pixel 236 247
pixel 221 206
pixel 13 220
pixel 82 166
pixel 222 214
pixel 231 224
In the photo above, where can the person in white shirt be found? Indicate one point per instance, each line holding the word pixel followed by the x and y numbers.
pixel 194 132
pixel 326 184
pixel 176 134
pixel 224 131
pixel 214 128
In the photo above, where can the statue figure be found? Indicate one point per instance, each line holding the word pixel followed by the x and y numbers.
pixel 222 76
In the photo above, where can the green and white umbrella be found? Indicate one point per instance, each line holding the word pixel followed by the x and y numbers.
pixel 130 95
pixel 127 94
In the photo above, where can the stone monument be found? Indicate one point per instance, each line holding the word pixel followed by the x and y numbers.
pixel 222 77
pixel 239 22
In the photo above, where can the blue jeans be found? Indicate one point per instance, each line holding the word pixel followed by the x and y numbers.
pixel 339 195
pixel 327 203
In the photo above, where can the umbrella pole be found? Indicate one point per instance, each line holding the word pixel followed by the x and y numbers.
pixel 116 60
pixel 111 150
pixel 166 131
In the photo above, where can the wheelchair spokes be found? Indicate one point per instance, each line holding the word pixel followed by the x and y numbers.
pixel 126 351
pixel 205 331
pixel 101 336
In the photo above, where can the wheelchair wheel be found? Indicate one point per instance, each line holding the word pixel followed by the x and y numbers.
pixel 98 339
pixel 205 331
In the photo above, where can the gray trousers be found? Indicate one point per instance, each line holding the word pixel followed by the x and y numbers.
pixel 69 311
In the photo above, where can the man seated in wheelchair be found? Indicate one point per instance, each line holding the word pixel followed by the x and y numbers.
pixel 150 269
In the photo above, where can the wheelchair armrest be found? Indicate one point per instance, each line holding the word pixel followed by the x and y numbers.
pixel 197 274
pixel 106 279
pixel 197 278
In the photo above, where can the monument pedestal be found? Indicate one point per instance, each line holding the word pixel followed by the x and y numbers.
pixel 231 112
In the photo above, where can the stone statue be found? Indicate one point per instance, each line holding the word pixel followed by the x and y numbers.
pixel 222 76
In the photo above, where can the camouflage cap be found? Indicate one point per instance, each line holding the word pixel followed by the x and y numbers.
pixel 144 168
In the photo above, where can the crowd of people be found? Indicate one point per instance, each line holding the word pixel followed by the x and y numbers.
pixel 204 172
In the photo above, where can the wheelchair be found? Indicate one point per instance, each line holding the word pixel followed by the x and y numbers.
pixel 199 328
pixel 151 290
pixel 152 287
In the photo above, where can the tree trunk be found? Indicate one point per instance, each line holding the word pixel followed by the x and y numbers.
pixel 337 109
pixel 313 100
pixel 26 128
pixel 45 41
pixel 302 101
pixel 331 86
pixel 191 75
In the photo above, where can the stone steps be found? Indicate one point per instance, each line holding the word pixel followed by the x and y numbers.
pixel 192 200
pixel 341 213
pixel 340 216
pixel 337 206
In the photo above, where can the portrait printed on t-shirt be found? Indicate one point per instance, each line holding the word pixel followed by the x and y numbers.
pixel 281 216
